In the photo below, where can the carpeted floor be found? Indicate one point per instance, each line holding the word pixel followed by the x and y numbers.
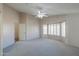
pixel 45 47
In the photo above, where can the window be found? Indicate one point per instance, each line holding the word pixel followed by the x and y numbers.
pixel 49 29
pixel 44 29
pixel 57 29
pixel 63 29
pixel 52 29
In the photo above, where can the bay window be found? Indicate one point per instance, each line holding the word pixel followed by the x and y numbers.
pixel 57 29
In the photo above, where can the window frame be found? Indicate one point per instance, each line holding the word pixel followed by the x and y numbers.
pixel 55 30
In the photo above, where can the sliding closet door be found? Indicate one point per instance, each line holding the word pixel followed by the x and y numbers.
pixel 8 34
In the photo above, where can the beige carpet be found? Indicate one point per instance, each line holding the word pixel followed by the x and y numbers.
pixel 40 48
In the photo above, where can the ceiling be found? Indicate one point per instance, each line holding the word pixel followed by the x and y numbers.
pixel 49 8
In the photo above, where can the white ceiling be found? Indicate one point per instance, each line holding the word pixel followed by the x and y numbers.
pixel 49 8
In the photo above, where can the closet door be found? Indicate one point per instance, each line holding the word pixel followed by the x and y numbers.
pixel 22 32
pixel 8 34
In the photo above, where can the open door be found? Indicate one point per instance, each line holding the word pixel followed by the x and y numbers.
pixel 16 32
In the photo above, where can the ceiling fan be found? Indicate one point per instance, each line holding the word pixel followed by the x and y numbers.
pixel 41 14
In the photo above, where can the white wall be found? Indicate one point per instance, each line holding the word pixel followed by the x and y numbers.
pixel 10 19
pixel 73 29
pixel 32 28
pixel 1 51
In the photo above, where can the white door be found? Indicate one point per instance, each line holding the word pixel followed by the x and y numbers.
pixel 22 32
pixel 8 34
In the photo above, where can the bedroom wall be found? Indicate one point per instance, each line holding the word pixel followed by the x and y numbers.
pixel 32 28
pixel 1 51
pixel 10 19
pixel 73 29
pixel 29 27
